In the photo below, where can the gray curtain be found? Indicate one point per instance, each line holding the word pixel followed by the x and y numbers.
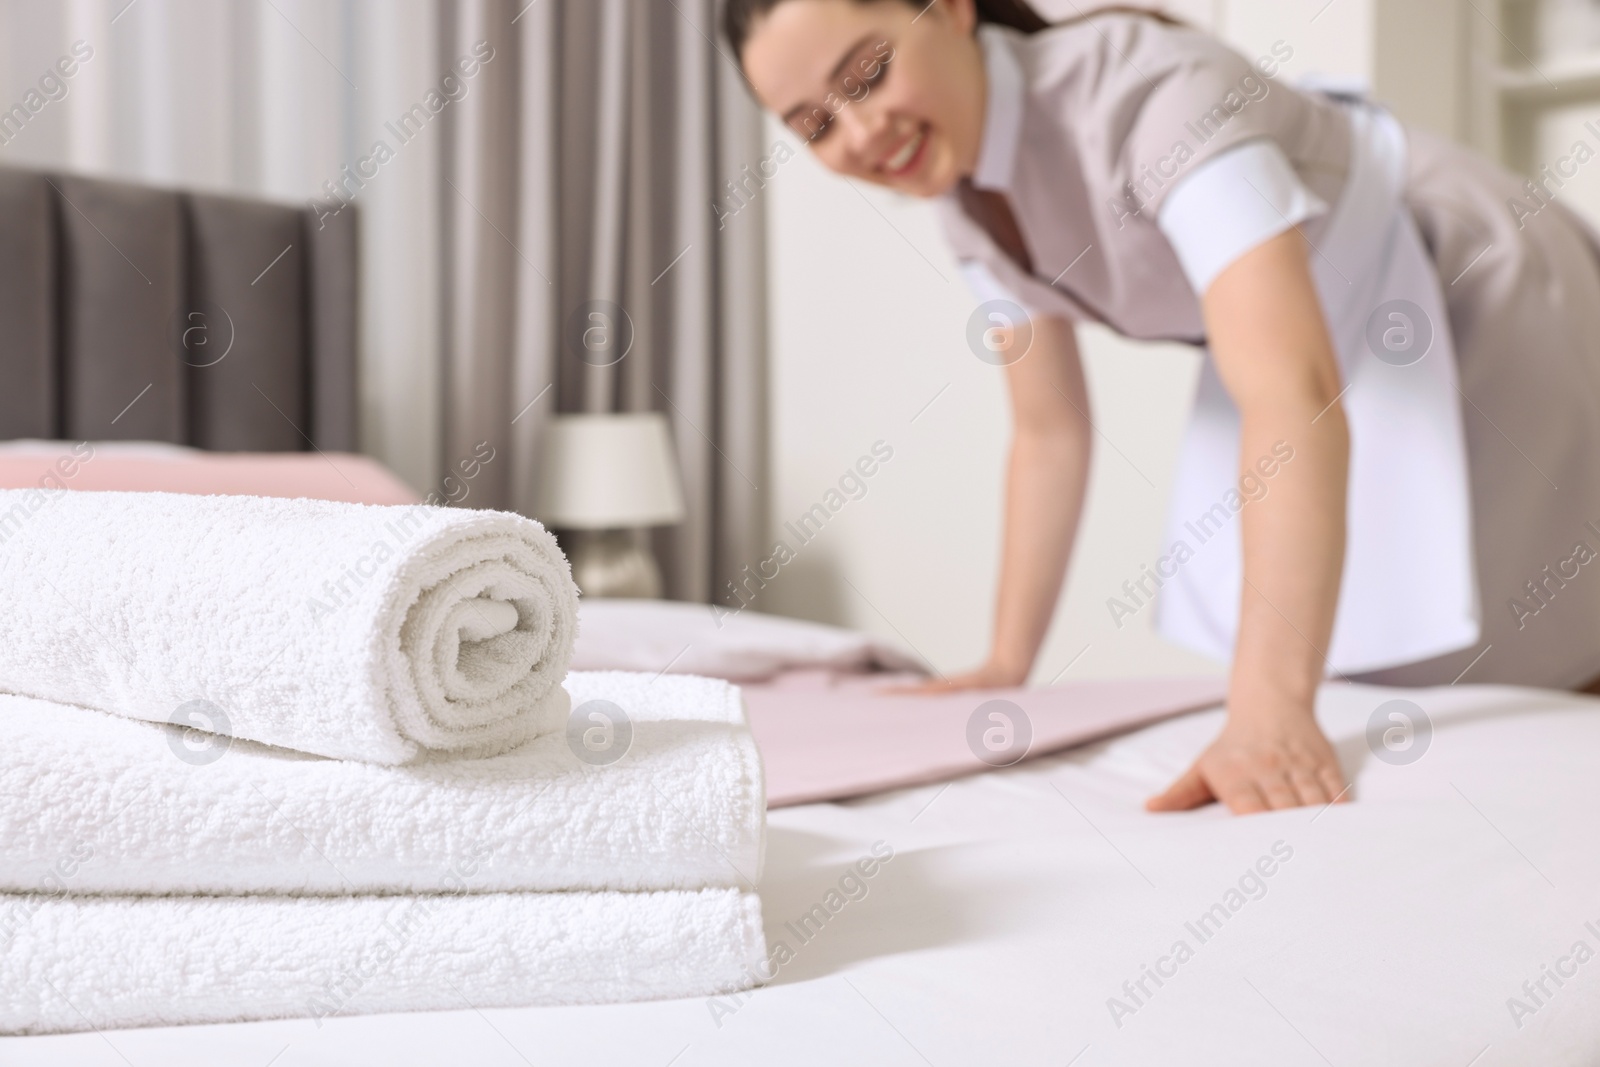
pixel 585 266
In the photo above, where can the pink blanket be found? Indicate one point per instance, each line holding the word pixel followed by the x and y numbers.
pixel 827 738
pixel 152 467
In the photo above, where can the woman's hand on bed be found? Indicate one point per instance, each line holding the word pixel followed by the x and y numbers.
pixel 1260 763
pixel 1272 350
pixel 991 675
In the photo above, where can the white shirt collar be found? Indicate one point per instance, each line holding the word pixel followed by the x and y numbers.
pixel 1002 116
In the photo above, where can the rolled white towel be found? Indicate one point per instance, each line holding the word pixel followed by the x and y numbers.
pixel 346 630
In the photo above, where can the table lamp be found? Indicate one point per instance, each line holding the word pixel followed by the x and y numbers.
pixel 602 477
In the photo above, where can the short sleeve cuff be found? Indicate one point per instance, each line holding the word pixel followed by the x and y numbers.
pixel 985 286
pixel 1231 203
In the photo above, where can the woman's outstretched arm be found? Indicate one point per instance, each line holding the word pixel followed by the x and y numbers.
pixel 1045 481
pixel 1273 353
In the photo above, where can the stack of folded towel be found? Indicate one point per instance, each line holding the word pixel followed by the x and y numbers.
pixel 366 783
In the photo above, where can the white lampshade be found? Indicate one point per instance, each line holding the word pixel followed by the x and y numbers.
pixel 600 472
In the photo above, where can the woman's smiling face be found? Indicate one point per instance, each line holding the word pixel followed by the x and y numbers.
pixel 886 91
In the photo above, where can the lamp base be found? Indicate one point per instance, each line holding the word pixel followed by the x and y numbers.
pixel 609 563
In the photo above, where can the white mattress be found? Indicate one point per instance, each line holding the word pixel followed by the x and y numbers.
pixel 1019 901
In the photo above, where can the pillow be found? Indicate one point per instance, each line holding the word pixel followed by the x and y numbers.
pixel 664 636
pixel 155 466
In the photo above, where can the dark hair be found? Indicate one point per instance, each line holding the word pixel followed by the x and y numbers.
pixel 739 16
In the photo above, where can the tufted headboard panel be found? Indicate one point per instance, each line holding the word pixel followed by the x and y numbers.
pixel 132 312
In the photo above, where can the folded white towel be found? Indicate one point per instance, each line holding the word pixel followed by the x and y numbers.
pixel 347 630
pixel 93 803
pixel 107 962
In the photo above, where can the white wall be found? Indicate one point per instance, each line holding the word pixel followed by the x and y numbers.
pixel 868 319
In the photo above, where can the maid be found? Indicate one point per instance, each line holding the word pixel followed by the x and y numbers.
pixel 1389 472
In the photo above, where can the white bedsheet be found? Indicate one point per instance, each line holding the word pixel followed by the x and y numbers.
pixel 1017 902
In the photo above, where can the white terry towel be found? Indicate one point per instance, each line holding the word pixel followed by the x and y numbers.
pixel 93 803
pixel 108 962
pixel 347 630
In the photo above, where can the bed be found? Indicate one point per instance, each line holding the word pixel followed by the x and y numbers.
pixel 1031 914
pixel 1026 914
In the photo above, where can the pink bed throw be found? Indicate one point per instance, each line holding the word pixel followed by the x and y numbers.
pixel 826 738
pixel 147 466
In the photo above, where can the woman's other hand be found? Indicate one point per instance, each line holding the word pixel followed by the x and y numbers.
pixel 1260 762
pixel 991 675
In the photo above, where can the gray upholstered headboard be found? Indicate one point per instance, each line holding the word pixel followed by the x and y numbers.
pixel 131 312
